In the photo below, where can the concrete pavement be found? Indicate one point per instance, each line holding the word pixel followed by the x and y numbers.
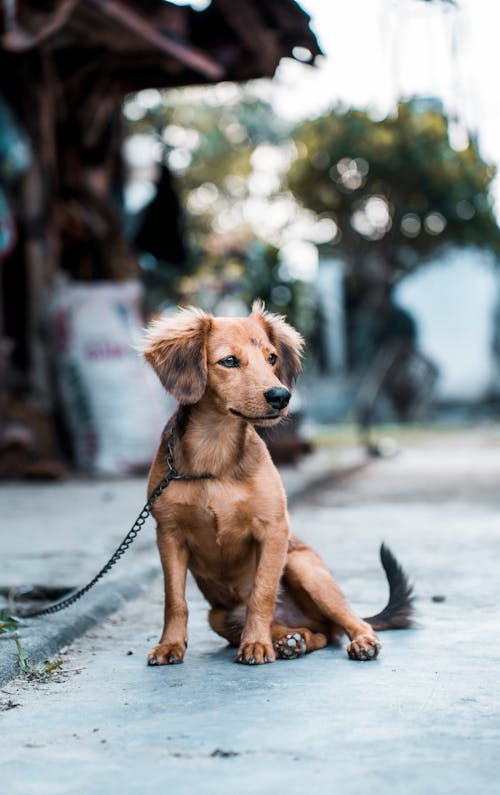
pixel 424 719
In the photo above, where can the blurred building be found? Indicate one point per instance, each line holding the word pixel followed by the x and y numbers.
pixel 455 301
pixel 65 67
pixel 454 305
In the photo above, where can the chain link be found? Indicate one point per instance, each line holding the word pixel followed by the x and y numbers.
pixel 132 534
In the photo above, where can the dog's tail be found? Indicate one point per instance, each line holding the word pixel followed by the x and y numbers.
pixel 398 612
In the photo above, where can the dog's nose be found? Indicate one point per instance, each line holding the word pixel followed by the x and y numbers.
pixel 278 397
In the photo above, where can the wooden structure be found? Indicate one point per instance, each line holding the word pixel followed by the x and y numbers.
pixel 65 67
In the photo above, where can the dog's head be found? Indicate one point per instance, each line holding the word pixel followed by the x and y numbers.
pixel 242 366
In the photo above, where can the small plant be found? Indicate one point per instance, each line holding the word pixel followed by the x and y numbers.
pixel 8 623
pixel 11 624
pixel 38 671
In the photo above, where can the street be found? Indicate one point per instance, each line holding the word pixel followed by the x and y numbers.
pixel 422 719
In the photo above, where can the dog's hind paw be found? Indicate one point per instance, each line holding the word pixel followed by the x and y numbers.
pixel 290 646
pixel 364 647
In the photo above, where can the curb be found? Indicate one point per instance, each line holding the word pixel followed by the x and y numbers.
pixel 41 639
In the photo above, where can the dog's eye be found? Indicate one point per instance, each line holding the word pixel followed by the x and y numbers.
pixel 230 361
pixel 272 359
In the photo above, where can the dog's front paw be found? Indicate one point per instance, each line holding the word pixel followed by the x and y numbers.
pixel 364 647
pixel 251 653
pixel 167 654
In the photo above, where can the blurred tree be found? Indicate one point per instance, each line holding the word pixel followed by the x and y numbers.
pixel 395 190
pixel 395 194
pixel 211 143
pixel 208 142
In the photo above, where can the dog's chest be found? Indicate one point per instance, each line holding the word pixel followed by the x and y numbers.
pixel 216 531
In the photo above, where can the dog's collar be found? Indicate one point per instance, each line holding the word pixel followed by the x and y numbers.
pixel 172 472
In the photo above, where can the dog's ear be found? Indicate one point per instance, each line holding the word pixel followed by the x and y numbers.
pixel 176 347
pixel 287 340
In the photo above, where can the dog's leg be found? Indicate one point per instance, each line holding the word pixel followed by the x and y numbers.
pixel 228 622
pixel 256 644
pixel 310 582
pixel 173 642
pixel 288 642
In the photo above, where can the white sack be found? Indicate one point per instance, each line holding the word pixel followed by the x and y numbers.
pixel 114 404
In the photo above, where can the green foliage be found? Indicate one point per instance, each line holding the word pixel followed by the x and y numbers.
pixel 396 189
pixel 11 624
pixel 392 193
pixel 251 270
pixel 8 622
pixel 212 140
pixel 209 140
pixel 40 670
pixel 221 123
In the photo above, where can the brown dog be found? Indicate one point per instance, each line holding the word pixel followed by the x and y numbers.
pixel 270 594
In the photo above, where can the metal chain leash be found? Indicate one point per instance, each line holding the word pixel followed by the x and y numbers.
pixel 132 534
